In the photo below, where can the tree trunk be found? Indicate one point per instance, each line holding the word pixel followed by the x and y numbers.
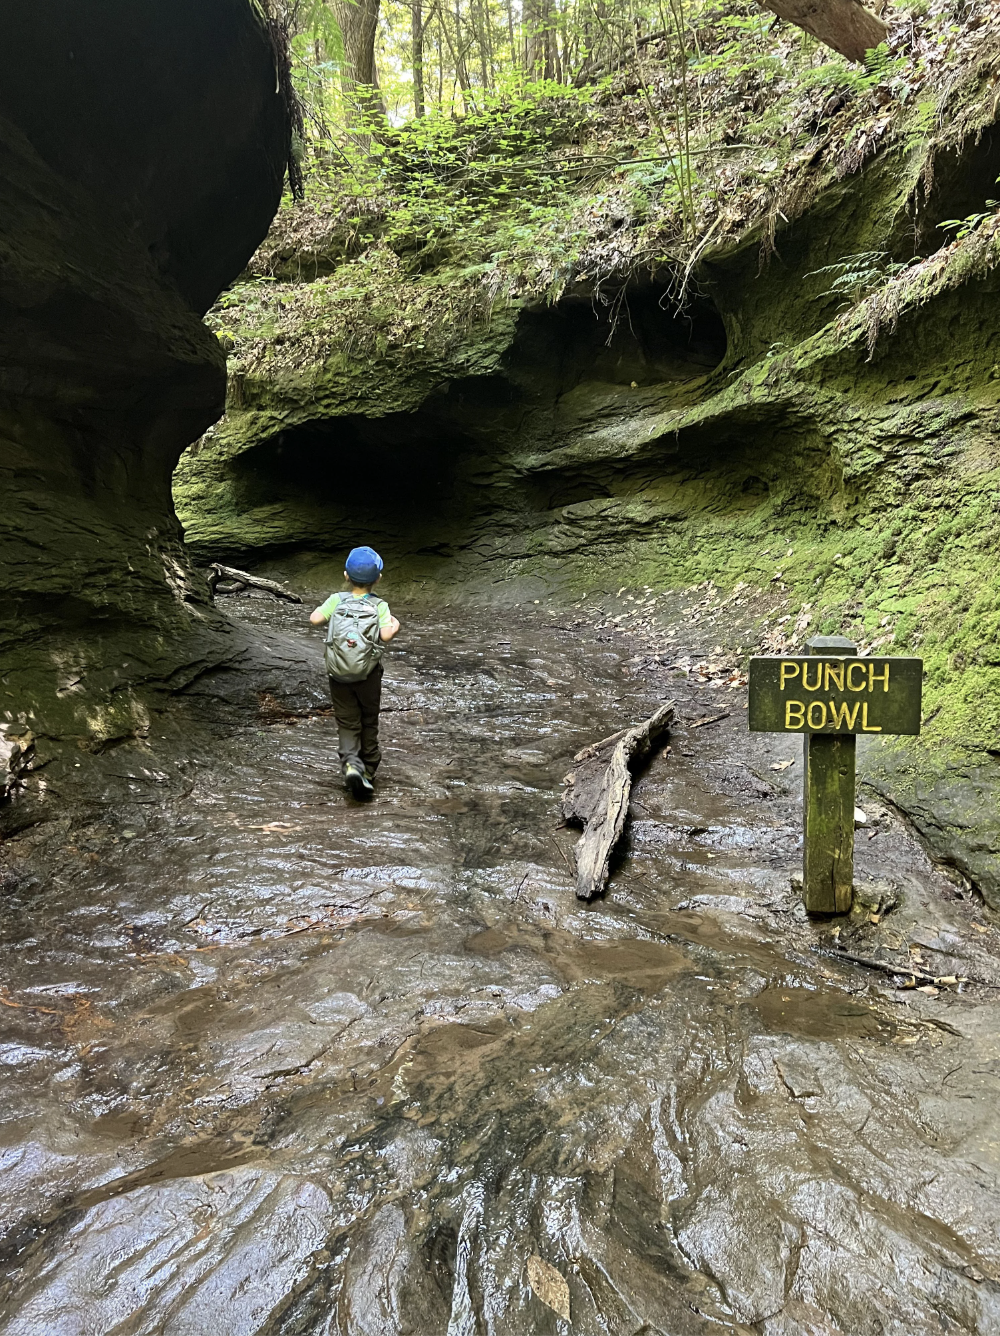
pixel 844 25
pixel 481 19
pixel 417 40
pixel 538 62
pixel 359 77
pixel 461 69
pixel 510 30
pixel 457 53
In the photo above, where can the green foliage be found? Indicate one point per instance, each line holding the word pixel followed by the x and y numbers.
pixel 964 227
pixel 499 187
pixel 855 276
pixel 317 24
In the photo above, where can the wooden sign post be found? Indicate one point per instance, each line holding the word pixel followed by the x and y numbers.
pixel 831 695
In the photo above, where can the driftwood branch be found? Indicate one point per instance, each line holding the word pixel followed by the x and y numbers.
pixel 597 796
pixel 218 574
pixel 595 748
pixel 843 25
pixel 904 971
pixel 710 719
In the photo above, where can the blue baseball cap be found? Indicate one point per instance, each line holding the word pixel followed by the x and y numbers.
pixel 364 565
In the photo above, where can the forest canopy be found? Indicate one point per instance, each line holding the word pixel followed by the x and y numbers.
pixel 406 59
pixel 438 102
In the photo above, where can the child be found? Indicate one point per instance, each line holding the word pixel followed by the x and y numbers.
pixel 360 624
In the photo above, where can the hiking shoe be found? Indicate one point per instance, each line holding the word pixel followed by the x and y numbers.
pixel 357 781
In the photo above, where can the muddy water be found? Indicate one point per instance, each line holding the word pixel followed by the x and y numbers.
pixel 276 1062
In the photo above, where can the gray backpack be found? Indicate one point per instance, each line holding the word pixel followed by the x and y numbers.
pixel 353 643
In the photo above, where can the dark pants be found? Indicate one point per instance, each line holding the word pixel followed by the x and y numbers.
pixel 356 707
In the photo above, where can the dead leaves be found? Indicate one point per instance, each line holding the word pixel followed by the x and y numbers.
pixel 75 1015
pixel 7 1001
pixel 549 1285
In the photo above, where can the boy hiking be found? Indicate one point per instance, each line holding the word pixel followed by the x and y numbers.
pixel 359 625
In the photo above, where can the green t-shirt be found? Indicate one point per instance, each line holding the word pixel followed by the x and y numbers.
pixel 384 615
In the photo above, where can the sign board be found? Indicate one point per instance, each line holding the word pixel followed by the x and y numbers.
pixel 834 694
pixel 831 694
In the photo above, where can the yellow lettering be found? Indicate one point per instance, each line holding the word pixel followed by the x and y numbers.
pixel 842 717
pixel 864 721
pixel 816 705
pixel 815 686
pixel 874 677
pixel 788 669
pixel 850 676
pixel 834 674
pixel 800 710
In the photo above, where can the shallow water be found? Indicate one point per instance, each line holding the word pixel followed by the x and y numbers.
pixel 277 1062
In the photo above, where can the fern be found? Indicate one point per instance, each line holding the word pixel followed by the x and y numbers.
pixel 857 275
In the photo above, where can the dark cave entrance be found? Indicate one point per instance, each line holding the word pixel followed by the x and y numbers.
pixel 469 463
pixel 352 476
pixel 634 336
pixel 965 178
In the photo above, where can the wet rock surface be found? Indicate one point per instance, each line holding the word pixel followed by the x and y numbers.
pixel 277 1062
pixel 161 1258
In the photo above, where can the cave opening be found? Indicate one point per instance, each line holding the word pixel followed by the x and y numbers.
pixel 637 335
pixel 348 478
pixel 965 180
pixel 477 456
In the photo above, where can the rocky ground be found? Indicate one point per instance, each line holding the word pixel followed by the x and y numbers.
pixel 277 1063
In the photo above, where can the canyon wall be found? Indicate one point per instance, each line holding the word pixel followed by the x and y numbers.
pixel 142 154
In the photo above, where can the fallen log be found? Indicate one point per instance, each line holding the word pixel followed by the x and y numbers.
pixel 597 795
pixel 843 25
pixel 243 580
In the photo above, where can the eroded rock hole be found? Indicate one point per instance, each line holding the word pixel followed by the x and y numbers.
pixel 397 474
pixel 635 336
pixel 965 178
pixel 470 463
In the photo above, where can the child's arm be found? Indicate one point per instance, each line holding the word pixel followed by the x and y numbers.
pixel 325 610
pixel 390 629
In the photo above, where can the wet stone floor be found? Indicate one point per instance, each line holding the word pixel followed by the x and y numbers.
pixel 274 1062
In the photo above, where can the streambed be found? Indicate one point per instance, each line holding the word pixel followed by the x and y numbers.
pixel 277 1062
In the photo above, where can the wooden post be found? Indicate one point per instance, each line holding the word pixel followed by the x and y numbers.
pixel 828 805
pixel 830 698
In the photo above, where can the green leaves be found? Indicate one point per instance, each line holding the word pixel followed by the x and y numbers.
pixel 964 227
pixel 318 24
pixel 858 275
